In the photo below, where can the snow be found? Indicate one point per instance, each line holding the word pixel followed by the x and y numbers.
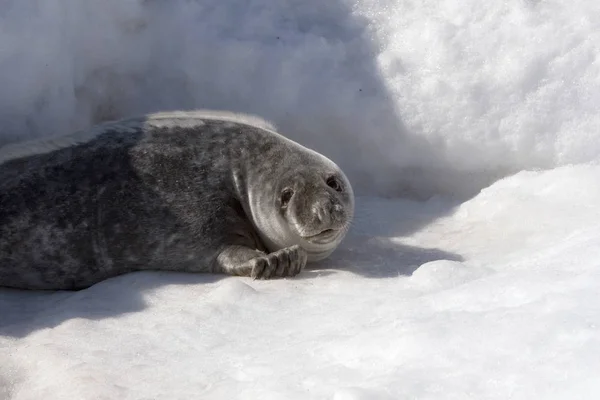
pixel 472 135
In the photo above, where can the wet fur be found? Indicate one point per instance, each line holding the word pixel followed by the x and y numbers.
pixel 183 191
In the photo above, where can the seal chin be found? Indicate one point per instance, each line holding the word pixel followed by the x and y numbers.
pixel 323 237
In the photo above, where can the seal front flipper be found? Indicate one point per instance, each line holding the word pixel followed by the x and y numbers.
pixel 244 261
pixel 285 262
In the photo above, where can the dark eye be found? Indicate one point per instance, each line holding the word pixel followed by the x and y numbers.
pixel 286 196
pixel 334 183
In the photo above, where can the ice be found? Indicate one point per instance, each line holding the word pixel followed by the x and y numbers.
pixel 471 132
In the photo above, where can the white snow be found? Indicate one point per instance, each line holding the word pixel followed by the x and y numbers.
pixel 471 131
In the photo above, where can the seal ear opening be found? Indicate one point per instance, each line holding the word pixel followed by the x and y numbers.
pixel 286 196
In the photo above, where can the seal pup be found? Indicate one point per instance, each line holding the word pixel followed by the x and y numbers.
pixel 193 191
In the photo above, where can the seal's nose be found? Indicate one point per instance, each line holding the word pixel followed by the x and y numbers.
pixel 328 213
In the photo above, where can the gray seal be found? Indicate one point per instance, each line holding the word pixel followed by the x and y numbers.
pixel 190 191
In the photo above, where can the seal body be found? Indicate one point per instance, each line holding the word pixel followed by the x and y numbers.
pixel 194 191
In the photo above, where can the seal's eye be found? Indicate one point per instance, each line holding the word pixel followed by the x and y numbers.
pixel 286 196
pixel 334 183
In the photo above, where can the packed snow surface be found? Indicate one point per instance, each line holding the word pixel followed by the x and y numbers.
pixel 471 131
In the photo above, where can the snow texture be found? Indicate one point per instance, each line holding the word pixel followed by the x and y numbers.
pixel 471 132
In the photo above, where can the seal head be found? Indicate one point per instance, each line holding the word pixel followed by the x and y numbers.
pixel 311 205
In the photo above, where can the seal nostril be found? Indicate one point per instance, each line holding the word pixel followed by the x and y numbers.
pixel 319 214
pixel 335 210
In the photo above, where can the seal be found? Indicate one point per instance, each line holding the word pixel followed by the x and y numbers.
pixel 189 191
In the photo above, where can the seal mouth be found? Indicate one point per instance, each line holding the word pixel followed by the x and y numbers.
pixel 322 237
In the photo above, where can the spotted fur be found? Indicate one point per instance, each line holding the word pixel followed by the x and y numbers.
pixel 195 191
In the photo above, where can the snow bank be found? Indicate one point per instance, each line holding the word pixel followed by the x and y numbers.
pixel 409 97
